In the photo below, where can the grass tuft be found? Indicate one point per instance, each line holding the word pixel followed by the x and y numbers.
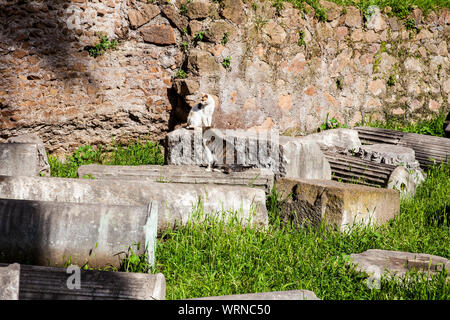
pixel 136 153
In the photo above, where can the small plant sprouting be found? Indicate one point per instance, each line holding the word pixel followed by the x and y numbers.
pixel 199 36
pixel 180 74
pixel 260 22
pixel 278 5
pixel 301 38
pixel 101 47
pixel 410 24
pixel 332 123
pixel 391 81
pixel 225 38
pixel 254 6
pixel 183 9
pixel 227 63
pixel 184 45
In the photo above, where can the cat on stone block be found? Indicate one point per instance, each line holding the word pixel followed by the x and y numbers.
pixel 201 114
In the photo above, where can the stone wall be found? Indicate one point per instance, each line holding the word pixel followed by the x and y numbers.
pixel 287 70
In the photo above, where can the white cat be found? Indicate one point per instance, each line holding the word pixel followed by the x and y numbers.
pixel 201 114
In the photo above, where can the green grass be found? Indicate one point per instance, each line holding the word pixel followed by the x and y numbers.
pixel 400 8
pixel 137 153
pixel 217 258
pixel 433 126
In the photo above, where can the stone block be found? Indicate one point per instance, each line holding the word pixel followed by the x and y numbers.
pixel 44 166
pixel 284 156
pixel 19 159
pixel 198 9
pixel 9 282
pixel 217 29
pixel 275 295
pixel 51 233
pixel 160 34
pixel 336 140
pixel 202 62
pixel 395 155
pixel 140 17
pixel 234 10
pixel 339 204
pixel 181 22
pixel 378 263
pixel 50 283
pixel 258 178
pixel 175 201
pixel 352 169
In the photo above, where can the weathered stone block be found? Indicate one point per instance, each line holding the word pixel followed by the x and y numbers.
pixel 390 154
pixel 275 295
pixel 258 178
pixel 353 17
pixel 9 282
pixel 339 204
pixel 47 233
pixel 333 10
pixel 175 201
pixel 143 15
pixel 185 87
pixel 44 166
pixel 202 62
pixel 19 159
pixel 284 156
pixel 378 263
pixel 50 283
pixel 181 22
pixel 234 11
pixel 198 9
pixel 336 140
pixel 375 20
pixel 159 34
pixel 217 29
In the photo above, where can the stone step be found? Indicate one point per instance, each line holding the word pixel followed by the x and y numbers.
pixel 175 201
pixel 52 233
pixel 428 149
pixel 339 204
pixel 275 295
pixel 48 283
pixel 19 159
pixel 258 178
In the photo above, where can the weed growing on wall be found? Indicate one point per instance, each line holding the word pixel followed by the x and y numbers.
pixel 101 47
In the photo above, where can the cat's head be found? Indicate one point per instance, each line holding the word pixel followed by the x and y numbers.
pixel 204 97
pixel 207 99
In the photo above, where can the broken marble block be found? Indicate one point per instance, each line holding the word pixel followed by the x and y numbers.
pixel 43 165
pixel 284 156
pixel 9 282
pixel 340 140
pixel 377 263
pixel 338 204
pixel 394 155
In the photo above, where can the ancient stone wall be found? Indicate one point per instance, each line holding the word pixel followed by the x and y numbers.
pixel 267 68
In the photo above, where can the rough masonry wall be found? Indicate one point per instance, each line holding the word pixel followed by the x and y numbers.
pixel 349 66
pixel 51 86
